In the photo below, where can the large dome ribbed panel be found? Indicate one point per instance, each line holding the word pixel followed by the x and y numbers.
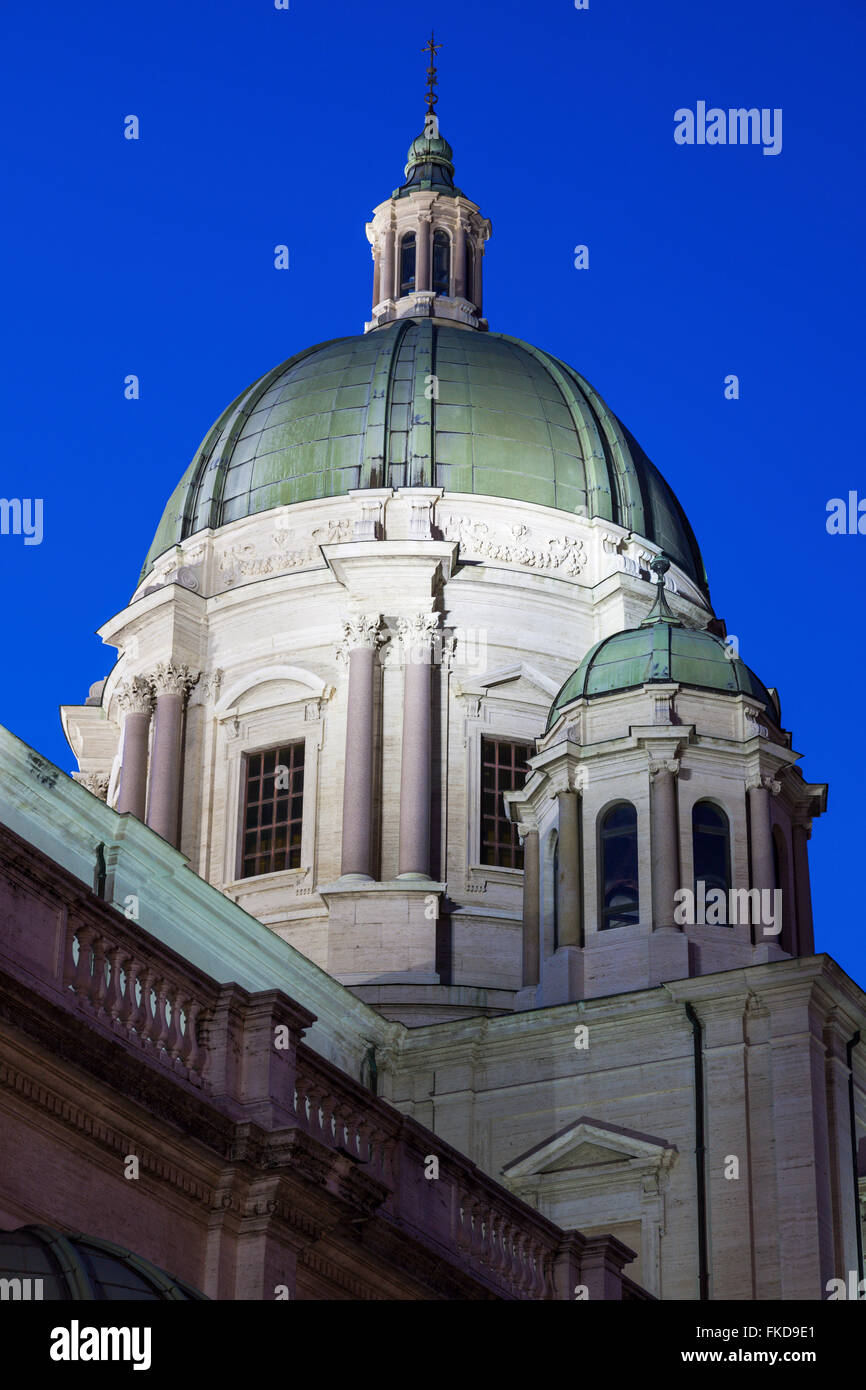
pixel 420 403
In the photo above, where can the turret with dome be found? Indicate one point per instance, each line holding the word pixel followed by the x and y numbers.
pixel 389 680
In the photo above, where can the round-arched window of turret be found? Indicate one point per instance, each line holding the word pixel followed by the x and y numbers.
pixel 441 262
pixel 711 847
pixel 620 901
pixel 407 263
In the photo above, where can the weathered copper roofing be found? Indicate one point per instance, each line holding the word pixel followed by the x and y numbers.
pixel 508 420
pixel 661 649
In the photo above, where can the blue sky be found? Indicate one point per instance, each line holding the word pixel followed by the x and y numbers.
pixel 261 127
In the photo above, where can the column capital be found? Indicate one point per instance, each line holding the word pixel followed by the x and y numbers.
pixel 362 630
pixel 664 767
pixel 95 782
pixel 763 780
pixel 135 696
pixel 209 685
pixel 415 633
pixel 169 678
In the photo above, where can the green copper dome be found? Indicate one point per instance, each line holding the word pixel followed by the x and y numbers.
pixel 430 164
pixel 80 1268
pixel 661 649
pixel 509 421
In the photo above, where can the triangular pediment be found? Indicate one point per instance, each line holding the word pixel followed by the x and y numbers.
pixel 590 1143
pixel 583 1156
pixel 519 682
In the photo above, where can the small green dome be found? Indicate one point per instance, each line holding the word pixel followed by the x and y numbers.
pixel 426 147
pixel 509 421
pixel 429 165
pixel 661 649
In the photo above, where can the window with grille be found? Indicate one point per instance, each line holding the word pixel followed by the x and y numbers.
pixel 503 769
pixel 273 810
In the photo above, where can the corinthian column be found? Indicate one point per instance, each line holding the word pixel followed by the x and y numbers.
pixel 414 854
pixel 568 888
pixel 477 289
pixel 386 288
pixel 803 892
pixel 361 637
pixel 377 274
pixel 423 276
pixel 459 262
pixel 531 916
pixel 172 685
pixel 665 845
pixel 761 788
pixel 135 698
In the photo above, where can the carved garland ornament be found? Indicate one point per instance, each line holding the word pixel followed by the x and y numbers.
pixel 245 561
pixel 521 547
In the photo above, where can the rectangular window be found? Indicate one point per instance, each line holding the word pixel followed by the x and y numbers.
pixel 273 810
pixel 503 769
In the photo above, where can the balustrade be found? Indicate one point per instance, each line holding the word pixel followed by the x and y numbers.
pixel 155 1009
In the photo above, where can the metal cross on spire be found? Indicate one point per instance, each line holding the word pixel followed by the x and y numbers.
pixel 431 47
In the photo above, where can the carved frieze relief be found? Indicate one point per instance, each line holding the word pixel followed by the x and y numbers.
pixel 281 553
pixel 518 545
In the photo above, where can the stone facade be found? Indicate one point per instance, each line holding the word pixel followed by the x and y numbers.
pixel 509 610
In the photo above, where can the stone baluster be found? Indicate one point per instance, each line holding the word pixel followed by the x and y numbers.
pixel 135 698
pixel 172 684
pixel 83 973
pixel 98 982
pixel 137 1006
pixel 172 1039
pixel 147 1015
pixel 415 636
pixel 113 1003
pixel 70 965
pixel 159 1031
pixel 192 1055
pixel 365 1130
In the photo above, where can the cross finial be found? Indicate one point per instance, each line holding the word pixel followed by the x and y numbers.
pixel 431 47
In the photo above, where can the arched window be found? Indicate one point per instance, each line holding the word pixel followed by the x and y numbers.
pixel 620 906
pixel 711 847
pixel 407 263
pixel 441 262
